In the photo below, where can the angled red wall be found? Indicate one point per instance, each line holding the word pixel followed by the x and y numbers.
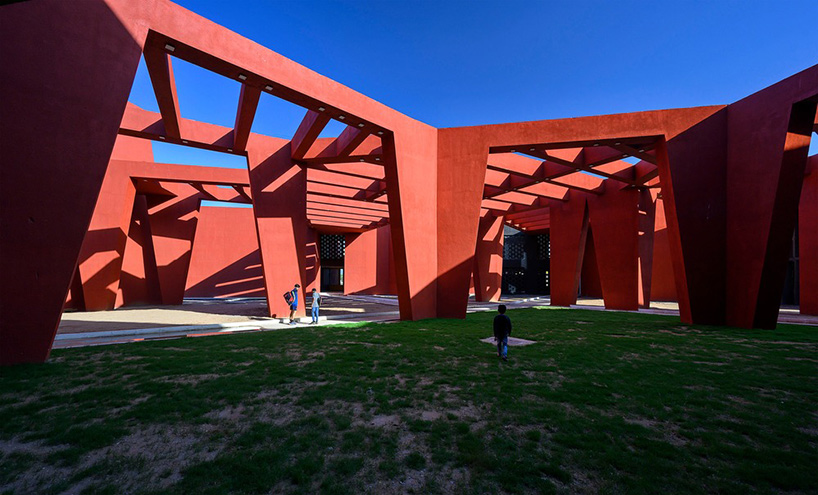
pixel 225 260
pixel 411 179
pixel 279 189
pixel 808 239
pixel 57 130
pixel 768 141
pixel 173 225
pixel 569 233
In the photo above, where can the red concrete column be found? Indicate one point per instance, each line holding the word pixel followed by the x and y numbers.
pixel 173 226
pixel 139 278
pixel 569 231
pixel 279 190
pixel 100 260
pixel 461 175
pixel 615 223
pixel 769 135
pixel 488 259
pixel 693 177
pixel 57 129
pixel 225 259
pixel 808 239
pixel 410 163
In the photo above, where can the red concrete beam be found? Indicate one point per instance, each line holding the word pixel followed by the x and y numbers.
pixel 160 70
pixel 374 157
pixel 341 215
pixel 311 126
pixel 542 171
pixel 320 220
pixel 349 139
pixel 644 152
pixel 360 170
pixel 245 114
pixel 345 209
pixel 360 205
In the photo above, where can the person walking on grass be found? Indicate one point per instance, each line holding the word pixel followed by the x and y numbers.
pixel 502 329
pixel 293 301
pixel 316 303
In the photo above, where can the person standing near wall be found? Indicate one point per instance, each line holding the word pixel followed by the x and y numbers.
pixel 294 304
pixel 316 303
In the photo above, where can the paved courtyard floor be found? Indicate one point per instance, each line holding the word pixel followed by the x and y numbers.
pixel 203 316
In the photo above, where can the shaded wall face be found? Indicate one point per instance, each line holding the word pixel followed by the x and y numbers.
pixel 225 260
pixel 590 286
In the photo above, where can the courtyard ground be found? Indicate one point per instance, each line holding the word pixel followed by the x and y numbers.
pixel 602 402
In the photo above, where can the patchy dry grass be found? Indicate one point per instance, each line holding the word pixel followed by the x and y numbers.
pixel 602 403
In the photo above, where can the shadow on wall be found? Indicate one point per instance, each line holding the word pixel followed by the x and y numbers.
pixel 243 278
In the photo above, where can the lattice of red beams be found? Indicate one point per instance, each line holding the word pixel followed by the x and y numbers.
pixel 538 171
pixel 584 156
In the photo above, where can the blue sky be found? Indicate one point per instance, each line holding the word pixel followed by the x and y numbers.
pixel 454 63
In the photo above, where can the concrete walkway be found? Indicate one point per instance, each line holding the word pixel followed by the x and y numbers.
pixel 199 317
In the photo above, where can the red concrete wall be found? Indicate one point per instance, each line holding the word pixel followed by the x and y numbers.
pixel 57 131
pixel 173 225
pixel 367 263
pixel 730 177
pixel 100 260
pixel 225 260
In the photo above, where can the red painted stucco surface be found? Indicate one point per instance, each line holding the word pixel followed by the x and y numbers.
pixel 225 260
pixel 731 177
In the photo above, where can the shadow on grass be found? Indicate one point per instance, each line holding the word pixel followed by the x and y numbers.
pixel 603 402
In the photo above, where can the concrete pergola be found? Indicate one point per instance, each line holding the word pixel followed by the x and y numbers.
pixel 77 167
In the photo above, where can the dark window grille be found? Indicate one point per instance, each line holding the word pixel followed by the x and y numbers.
pixel 332 247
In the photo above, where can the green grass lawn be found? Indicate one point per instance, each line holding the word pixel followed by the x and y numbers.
pixel 603 403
